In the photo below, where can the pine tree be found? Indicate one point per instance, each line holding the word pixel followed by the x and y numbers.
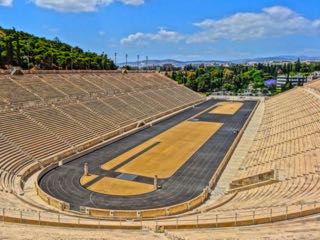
pixel 298 65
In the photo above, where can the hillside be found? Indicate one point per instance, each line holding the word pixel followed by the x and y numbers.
pixel 27 51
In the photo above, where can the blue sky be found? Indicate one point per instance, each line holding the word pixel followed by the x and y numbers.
pixel 178 29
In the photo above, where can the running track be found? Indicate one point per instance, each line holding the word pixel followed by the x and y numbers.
pixel 188 182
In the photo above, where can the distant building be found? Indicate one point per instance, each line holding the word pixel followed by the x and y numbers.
pixel 295 80
pixel 314 75
pixel 168 67
pixel 251 63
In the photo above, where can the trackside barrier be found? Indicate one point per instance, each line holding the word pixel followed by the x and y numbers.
pixel 150 213
pixel 62 206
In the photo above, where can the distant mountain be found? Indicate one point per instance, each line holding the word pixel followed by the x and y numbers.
pixel 173 62
pixel 177 63
pixel 276 59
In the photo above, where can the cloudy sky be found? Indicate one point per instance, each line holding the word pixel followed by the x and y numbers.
pixel 178 29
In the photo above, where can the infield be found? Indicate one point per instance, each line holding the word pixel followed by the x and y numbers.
pixel 164 154
pixel 86 179
pixel 228 108
pixel 120 187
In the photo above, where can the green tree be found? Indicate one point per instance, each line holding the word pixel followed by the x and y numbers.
pixel 228 75
pixel 228 87
pixel 22 49
pixel 297 65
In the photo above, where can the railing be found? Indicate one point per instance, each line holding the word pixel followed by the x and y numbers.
pixel 232 218
pixel 229 218
pixel 43 218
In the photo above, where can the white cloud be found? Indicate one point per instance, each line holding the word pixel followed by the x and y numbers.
pixel 81 5
pixel 6 3
pixel 102 33
pixel 273 21
pixel 276 21
pixel 162 35
pixel 136 38
pixel 165 35
pixel 316 24
pixel 132 2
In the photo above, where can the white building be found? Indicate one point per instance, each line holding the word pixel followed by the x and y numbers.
pixel 314 75
pixel 295 80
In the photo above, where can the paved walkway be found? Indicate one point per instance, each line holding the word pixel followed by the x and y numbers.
pixel 238 156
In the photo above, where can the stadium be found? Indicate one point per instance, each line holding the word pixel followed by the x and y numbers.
pixel 133 152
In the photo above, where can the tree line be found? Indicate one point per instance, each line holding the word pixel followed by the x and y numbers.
pixel 239 77
pixel 22 49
